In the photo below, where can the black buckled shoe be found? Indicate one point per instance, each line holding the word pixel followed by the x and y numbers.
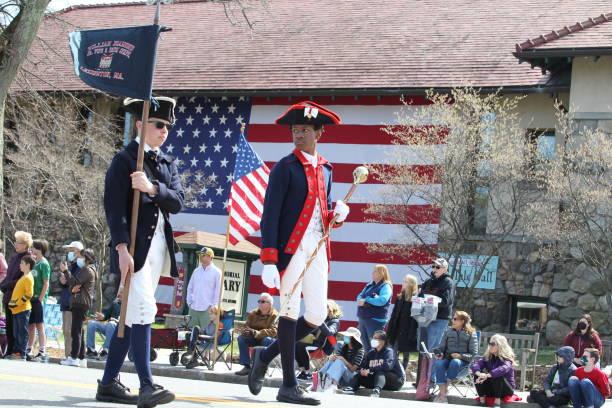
pixel 244 371
pixel 296 395
pixel 154 394
pixel 258 371
pixel 115 392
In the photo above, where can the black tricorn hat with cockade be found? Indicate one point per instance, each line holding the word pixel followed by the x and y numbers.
pixel 162 107
pixel 308 113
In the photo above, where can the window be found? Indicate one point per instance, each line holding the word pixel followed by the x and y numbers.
pixel 478 211
pixel 544 144
pixel 529 315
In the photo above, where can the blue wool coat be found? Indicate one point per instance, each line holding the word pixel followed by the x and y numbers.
pixel 118 195
pixel 285 200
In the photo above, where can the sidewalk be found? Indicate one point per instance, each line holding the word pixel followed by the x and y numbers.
pixel 161 367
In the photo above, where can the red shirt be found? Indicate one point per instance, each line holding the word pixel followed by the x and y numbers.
pixel 597 377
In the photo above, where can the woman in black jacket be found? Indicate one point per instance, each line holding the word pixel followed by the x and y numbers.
pixel 402 328
pixel 319 339
pixel 81 288
pixel 455 352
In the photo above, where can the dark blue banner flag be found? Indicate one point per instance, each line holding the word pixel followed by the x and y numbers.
pixel 117 60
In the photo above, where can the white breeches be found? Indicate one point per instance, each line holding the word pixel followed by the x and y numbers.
pixel 142 308
pixel 313 286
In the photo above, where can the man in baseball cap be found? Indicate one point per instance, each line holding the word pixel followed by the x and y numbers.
pixel 203 289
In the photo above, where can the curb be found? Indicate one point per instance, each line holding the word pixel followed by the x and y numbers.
pixel 162 370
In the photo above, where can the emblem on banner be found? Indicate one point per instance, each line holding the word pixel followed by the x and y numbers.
pixel 106 61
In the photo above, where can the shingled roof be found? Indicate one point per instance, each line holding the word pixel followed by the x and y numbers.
pixel 324 46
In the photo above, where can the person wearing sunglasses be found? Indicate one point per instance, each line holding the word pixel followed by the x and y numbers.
pixel 259 330
pixel 442 286
pixel 494 372
pixel 456 350
pixel 161 194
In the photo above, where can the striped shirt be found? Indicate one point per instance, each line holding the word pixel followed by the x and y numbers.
pixel 20 299
pixel 352 355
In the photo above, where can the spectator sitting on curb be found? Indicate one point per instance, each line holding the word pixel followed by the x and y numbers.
pixel 556 384
pixel 259 330
pixel 105 324
pixel 344 364
pixel 494 373
pixel 380 369
pixel 589 386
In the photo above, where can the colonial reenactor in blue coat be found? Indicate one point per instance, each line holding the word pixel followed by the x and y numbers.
pixel 296 215
pixel 161 194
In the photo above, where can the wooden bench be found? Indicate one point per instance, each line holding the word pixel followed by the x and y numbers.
pixel 525 348
pixel 606 353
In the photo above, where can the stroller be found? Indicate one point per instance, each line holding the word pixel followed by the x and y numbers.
pixel 424 311
pixel 3 339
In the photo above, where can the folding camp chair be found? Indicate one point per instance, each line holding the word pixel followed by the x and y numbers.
pixel 318 358
pixel 464 383
pixel 203 348
pixel 53 322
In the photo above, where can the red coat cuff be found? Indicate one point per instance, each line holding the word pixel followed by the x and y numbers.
pixel 269 255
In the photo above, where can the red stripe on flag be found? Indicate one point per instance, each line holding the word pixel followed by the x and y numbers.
pixel 254 190
pixel 410 214
pixel 345 134
pixel 241 194
pixel 236 209
pixel 233 238
pixel 359 252
pixel 370 100
pixel 343 172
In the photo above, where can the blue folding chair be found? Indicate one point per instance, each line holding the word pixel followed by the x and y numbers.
pixel 52 316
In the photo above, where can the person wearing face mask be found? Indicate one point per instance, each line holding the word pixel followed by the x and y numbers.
pixel 380 368
pixel 373 304
pixel 556 384
pixel 442 286
pixel 81 288
pixel 344 364
pixel 589 386
pixel 68 268
pixel 582 337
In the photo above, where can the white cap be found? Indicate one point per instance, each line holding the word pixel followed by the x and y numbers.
pixel 441 262
pixel 75 244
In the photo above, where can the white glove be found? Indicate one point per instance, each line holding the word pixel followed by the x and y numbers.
pixel 270 276
pixel 342 210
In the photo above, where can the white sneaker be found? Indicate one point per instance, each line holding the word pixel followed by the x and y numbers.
pixel 83 363
pixel 70 362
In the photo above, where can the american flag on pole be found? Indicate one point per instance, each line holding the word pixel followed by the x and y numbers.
pixel 248 192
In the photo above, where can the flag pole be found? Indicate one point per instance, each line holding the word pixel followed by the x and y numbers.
pixel 136 201
pixel 229 218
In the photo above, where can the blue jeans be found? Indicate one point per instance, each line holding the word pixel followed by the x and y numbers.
pixel 20 331
pixel 338 372
pixel 584 393
pixel 106 329
pixel 446 370
pixel 245 342
pixel 367 327
pixel 433 334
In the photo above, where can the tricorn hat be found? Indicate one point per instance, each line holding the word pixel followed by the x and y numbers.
pixel 162 107
pixel 308 113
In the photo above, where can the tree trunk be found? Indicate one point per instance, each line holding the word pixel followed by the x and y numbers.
pixel 16 41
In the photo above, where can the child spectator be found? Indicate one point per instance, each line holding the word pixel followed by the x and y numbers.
pixel 203 340
pixel 41 274
pixel 20 307
pixel 556 384
pixel 589 386
pixel 344 364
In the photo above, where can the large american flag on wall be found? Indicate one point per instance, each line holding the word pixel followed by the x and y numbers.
pixel 205 140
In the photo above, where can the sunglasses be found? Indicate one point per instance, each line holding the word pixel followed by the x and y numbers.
pixel 492 344
pixel 456 318
pixel 161 125
pixel 436 267
pixel 262 301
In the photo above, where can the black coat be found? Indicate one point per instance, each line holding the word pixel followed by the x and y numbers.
pixel 402 328
pixel 118 195
pixel 444 288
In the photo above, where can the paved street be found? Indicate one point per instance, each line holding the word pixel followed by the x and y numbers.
pixel 52 385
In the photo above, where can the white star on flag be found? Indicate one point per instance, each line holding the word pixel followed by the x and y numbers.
pixel 222 120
